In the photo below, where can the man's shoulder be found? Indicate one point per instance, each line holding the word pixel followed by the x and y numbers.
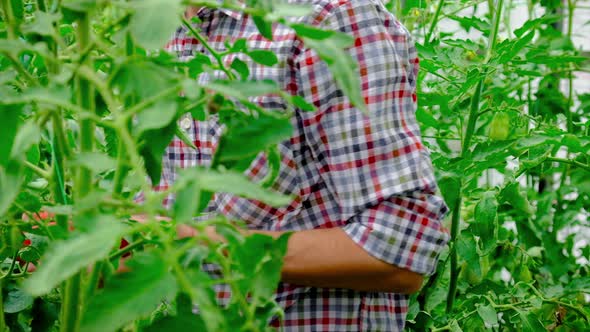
pixel 326 8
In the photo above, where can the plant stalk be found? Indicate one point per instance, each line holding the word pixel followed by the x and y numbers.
pixel 72 302
pixel 41 5
pixel 122 157
pixel 2 321
pixel 59 153
pixel 439 7
pixel 570 99
pixel 8 18
pixel 456 217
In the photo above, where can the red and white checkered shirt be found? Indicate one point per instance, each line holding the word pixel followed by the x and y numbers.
pixel 368 174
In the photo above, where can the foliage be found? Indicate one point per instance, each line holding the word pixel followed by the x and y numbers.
pixel 512 155
pixel 88 108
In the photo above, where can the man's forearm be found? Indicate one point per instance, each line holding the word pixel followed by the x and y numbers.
pixel 329 258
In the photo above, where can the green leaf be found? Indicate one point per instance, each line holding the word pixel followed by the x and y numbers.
pixel 511 49
pixel 156 116
pixel 489 315
pixel 28 135
pixel 10 122
pixel 467 250
pixel 82 5
pixel 16 300
pixel 311 32
pixel 131 295
pixel 283 9
pixel 142 79
pixel 241 67
pixel 94 161
pixel 11 179
pixel 17 10
pixel 302 104
pixel 43 25
pixel 153 144
pixel 246 140
pixel 44 315
pixel 260 258
pixel 264 27
pixel 484 224
pixel 165 12
pixel 243 90
pixel 530 322
pixel 184 320
pixel 515 197
pixel 185 204
pixel 450 186
pixel 468 22
pixel 273 156
pixel 65 258
pixel 264 57
pixel 341 64
pixel 233 183
pixel 454 326
pixel 181 134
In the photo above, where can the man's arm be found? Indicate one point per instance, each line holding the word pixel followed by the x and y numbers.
pixel 328 258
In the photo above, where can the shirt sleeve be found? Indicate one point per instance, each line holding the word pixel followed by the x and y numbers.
pixel 375 164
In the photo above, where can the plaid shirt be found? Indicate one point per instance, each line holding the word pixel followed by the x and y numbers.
pixel 369 175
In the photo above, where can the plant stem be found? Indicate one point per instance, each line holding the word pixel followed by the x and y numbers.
pixel 122 157
pixel 218 57
pixel 472 120
pixel 570 99
pixel 2 321
pixel 92 283
pixel 570 162
pixel 494 33
pixel 59 153
pixel 456 217
pixel 41 6
pixel 41 172
pixel 8 18
pixel 72 303
pixel 128 248
pixel 434 22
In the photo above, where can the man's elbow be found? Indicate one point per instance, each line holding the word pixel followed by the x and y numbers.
pixel 405 282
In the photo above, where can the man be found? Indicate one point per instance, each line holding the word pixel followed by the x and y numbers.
pixel 366 221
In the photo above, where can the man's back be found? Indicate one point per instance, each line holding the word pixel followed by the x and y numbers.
pixel 368 174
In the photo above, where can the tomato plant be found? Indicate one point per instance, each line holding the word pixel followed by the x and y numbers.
pixel 89 105
pixel 511 148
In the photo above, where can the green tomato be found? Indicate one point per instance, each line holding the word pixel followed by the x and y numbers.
pixel 484 263
pixel 467 273
pixel 500 127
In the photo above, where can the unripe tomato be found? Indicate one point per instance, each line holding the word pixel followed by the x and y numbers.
pixel 470 55
pixel 15 239
pixel 484 263
pixel 467 273
pixel 500 127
